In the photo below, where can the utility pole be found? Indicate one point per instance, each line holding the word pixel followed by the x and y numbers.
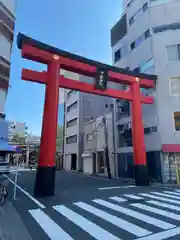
pixel 106 148
pixel 114 139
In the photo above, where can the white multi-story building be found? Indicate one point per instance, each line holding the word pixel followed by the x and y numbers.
pixel 79 108
pixel 147 39
pixel 16 128
pixel 7 22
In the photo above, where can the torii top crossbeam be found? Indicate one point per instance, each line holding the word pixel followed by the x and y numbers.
pixel 43 53
pixel 57 59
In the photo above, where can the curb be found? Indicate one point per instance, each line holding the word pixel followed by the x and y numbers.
pixel 130 181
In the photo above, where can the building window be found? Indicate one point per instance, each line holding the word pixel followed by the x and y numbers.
pixel 131 20
pixel 140 39
pixel 147 34
pixel 145 7
pixel 138 13
pixel 175 86
pixel 72 123
pixel 177 121
pixel 71 139
pixel 72 106
pixel 89 137
pixel 145 66
pixel 132 45
pixel 150 130
pixel 121 53
pixel 117 55
pixel 173 53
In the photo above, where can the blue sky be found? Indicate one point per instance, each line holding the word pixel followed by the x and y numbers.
pixel 79 26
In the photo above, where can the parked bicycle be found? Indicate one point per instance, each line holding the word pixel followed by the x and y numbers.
pixel 3 193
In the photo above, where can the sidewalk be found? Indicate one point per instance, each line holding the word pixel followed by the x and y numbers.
pixel 123 180
pixel 11 224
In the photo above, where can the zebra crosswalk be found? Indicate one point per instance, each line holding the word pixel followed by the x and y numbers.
pixel 152 216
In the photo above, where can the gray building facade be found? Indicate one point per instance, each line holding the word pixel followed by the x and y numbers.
pixel 79 108
pixel 147 39
pixel 94 157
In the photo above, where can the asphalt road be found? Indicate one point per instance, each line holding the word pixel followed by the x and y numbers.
pixel 91 208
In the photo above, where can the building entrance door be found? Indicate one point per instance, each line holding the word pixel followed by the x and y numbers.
pixel 94 162
pixel 73 162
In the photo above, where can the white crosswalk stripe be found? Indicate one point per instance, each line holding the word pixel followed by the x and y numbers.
pixel 123 218
pixel 134 214
pixel 132 228
pixel 165 195
pixel 133 197
pixel 94 230
pixel 160 198
pixel 173 193
pixel 165 205
pixel 162 235
pixel 157 211
pixel 118 199
pixel 51 228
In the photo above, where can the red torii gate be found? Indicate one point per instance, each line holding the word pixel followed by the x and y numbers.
pixel 55 60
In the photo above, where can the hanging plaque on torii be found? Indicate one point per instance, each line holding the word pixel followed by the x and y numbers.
pixel 55 60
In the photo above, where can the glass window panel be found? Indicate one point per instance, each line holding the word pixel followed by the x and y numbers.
pixel 146 65
pixel 175 86
pixel 176 121
pixel 117 55
pixel 145 7
pixel 172 53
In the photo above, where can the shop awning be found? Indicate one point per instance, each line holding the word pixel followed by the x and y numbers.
pixel 4 146
pixel 173 148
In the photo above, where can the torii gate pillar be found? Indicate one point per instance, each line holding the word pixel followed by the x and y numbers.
pixel 45 176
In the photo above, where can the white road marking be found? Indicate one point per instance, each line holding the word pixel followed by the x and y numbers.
pixel 129 227
pixel 165 195
pixel 21 170
pixel 160 204
pixel 129 186
pixel 91 228
pixel 173 193
pixel 157 211
pixel 162 235
pixel 160 198
pixel 115 187
pixel 134 214
pixel 118 199
pixel 53 231
pixel 26 193
pixel 133 196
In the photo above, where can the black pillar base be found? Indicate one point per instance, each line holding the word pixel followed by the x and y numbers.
pixel 45 182
pixel 141 175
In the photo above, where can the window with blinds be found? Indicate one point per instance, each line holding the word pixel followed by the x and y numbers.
pixel 175 86
pixel 177 121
